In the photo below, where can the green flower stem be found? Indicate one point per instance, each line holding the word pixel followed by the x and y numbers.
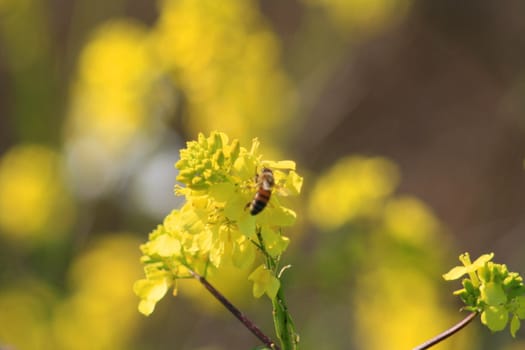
pixel 439 338
pixel 284 326
pixel 236 312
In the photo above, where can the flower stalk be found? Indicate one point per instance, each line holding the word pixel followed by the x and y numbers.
pixel 284 326
pixel 452 330
pixel 236 312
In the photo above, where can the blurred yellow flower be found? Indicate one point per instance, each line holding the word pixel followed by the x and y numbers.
pixel 355 186
pixel 101 312
pixel 364 15
pixel 398 307
pixel 395 303
pixel 118 100
pixel 26 307
pixel 34 201
pixel 110 96
pixel 409 219
pixel 225 60
pixel 220 59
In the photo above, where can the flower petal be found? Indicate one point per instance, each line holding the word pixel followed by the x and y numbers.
pixel 455 273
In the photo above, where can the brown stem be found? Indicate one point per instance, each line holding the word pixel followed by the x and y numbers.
pixel 447 333
pixel 236 312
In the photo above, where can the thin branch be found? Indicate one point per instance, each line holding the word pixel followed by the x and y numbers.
pixel 447 333
pixel 271 262
pixel 236 312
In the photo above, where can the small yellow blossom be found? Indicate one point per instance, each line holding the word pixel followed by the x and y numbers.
pixel 264 282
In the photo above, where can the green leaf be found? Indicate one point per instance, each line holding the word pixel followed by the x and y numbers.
pixel 514 325
pixel 521 308
pixel 469 287
pixel 493 294
pixel 484 273
pixel 495 317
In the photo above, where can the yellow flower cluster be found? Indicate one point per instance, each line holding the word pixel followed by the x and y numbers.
pixel 362 184
pixel 214 227
pixel 492 290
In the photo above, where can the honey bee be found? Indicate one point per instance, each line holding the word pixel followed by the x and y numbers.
pixel 265 183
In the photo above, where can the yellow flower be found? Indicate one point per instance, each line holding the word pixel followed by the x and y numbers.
pixel 264 282
pixel 34 201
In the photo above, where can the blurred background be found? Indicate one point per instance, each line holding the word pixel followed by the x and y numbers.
pixel 405 117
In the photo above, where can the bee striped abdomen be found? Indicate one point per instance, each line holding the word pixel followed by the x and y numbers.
pixel 259 201
pixel 265 183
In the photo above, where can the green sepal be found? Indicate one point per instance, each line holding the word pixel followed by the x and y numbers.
pixel 495 317
pixel 514 325
pixel 492 294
